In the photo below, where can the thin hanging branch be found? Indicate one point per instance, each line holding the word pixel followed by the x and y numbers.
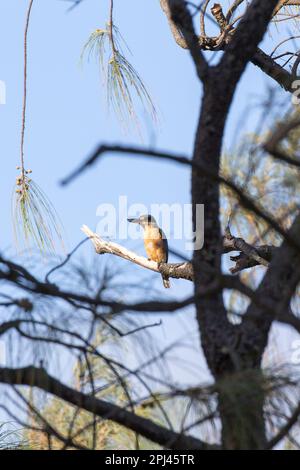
pixel 34 217
pixel 25 89
pixel 111 28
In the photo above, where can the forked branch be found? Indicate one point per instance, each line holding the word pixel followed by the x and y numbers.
pixel 249 256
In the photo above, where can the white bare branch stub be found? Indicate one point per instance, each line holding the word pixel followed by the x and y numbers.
pixel 175 270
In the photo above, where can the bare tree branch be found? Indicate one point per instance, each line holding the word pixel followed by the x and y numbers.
pixel 281 132
pixel 249 255
pixel 38 377
pixel 285 429
pixel 285 3
pixel 278 286
pixel 262 60
pixel 178 270
pixel 181 24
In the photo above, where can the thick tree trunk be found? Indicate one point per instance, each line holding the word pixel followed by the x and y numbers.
pixel 228 349
pixel 232 359
pixel 217 334
pixel 241 402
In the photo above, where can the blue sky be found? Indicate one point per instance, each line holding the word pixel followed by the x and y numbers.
pixel 67 115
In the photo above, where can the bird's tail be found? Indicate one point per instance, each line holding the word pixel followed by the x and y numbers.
pixel 166 281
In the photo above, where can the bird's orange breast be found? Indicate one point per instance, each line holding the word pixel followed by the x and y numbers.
pixel 154 244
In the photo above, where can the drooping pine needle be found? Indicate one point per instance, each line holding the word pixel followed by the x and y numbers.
pixel 95 45
pixel 35 219
pixel 124 84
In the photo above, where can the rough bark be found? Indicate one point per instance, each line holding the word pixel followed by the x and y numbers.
pixel 219 339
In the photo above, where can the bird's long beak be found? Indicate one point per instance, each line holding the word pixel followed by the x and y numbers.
pixel 134 221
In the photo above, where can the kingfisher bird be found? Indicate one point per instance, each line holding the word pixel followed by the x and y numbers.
pixel 156 244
